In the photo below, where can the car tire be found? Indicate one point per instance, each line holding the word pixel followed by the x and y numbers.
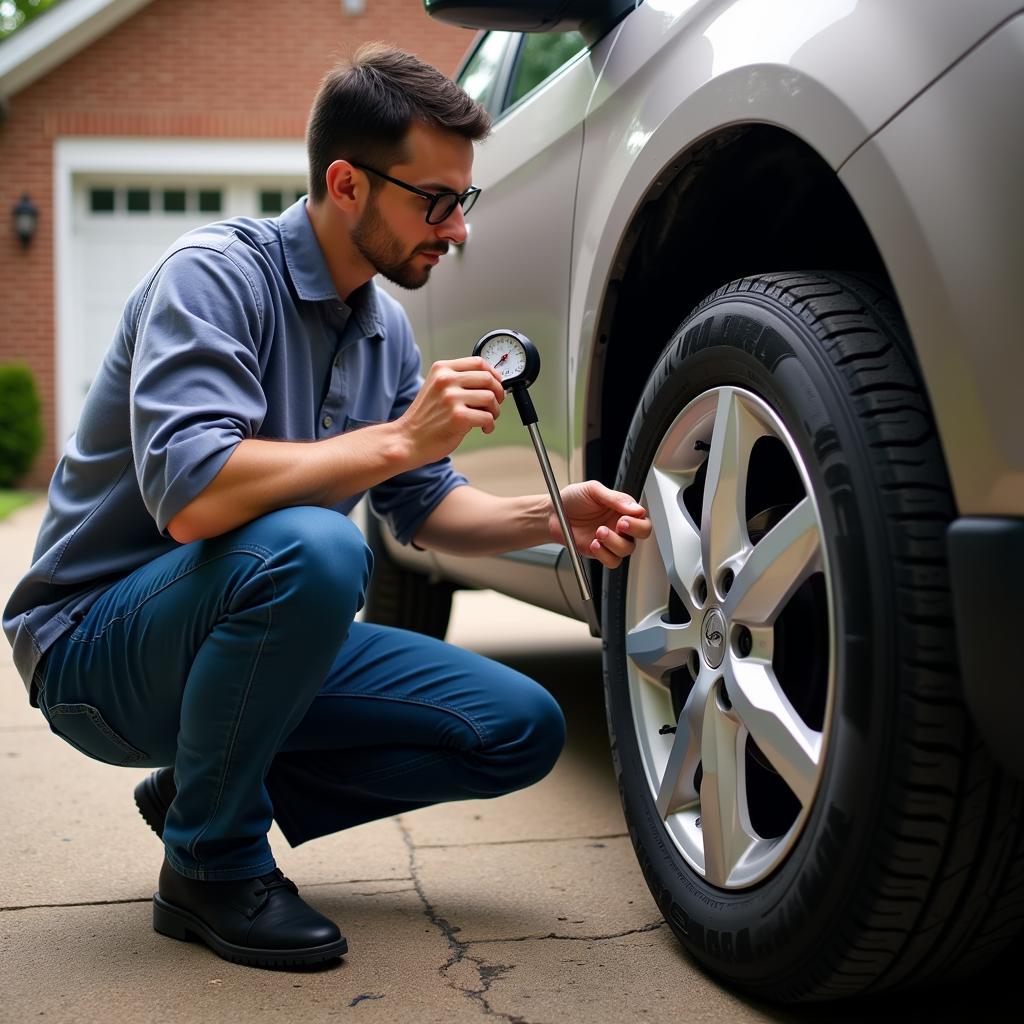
pixel 401 597
pixel 849 832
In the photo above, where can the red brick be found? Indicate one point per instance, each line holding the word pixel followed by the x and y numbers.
pixel 177 68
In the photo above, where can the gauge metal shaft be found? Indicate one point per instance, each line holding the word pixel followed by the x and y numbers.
pixel 517 360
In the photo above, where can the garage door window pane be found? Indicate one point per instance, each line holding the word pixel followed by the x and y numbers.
pixel 271 202
pixel 101 200
pixel 210 201
pixel 174 200
pixel 138 200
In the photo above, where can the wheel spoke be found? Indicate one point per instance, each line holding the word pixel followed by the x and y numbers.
pixel 780 562
pixel 676 536
pixel 657 646
pixel 725 826
pixel 677 791
pixel 791 746
pixel 723 520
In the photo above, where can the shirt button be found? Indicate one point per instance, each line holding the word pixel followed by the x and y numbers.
pixel 327 421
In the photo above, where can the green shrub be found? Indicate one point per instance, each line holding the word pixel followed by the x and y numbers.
pixel 21 427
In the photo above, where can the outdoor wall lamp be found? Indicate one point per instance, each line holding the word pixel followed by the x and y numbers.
pixel 25 217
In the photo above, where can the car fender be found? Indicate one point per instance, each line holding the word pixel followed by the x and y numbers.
pixel 945 209
pixel 679 72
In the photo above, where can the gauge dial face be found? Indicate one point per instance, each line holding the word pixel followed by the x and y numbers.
pixel 512 354
pixel 506 354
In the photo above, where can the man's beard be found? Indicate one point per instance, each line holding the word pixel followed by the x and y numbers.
pixel 378 246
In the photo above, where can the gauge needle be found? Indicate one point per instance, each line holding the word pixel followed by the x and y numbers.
pixel 501 360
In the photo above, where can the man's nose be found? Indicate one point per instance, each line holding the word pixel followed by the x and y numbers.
pixel 453 228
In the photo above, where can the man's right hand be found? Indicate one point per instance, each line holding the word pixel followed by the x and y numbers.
pixel 458 395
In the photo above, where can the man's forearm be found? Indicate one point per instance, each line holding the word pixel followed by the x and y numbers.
pixel 473 522
pixel 262 476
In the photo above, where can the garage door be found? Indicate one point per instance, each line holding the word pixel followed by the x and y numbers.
pixel 120 228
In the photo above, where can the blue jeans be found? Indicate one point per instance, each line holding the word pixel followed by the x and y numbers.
pixel 237 661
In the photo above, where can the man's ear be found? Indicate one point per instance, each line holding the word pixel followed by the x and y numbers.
pixel 347 187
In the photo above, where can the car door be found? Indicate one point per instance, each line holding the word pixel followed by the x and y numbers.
pixel 513 270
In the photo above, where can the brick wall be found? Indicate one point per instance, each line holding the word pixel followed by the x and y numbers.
pixel 194 68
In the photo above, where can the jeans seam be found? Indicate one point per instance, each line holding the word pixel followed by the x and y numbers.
pixel 95 716
pixel 478 728
pixel 241 714
pixel 262 553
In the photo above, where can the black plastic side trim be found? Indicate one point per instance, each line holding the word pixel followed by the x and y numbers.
pixel 986 563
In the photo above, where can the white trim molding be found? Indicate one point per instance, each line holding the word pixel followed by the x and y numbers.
pixel 56 35
pixel 241 159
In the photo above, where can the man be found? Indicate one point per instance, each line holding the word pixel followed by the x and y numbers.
pixel 194 586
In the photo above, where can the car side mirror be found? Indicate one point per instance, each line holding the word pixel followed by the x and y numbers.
pixel 539 16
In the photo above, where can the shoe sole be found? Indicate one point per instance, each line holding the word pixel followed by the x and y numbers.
pixel 151 805
pixel 177 923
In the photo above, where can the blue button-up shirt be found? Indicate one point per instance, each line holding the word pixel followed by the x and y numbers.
pixel 238 332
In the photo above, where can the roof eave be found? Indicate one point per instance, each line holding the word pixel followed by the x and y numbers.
pixel 56 35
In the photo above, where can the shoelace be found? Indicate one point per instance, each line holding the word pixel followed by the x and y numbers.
pixel 276 880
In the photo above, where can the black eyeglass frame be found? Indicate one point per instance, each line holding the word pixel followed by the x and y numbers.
pixel 465 199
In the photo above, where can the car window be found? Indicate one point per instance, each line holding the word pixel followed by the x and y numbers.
pixel 479 76
pixel 540 56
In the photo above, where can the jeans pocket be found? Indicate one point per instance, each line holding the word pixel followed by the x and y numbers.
pixel 86 730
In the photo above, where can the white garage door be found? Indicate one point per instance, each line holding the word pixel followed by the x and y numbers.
pixel 120 227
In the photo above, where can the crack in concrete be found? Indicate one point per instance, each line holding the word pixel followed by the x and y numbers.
pixel 365 996
pixel 487 973
pixel 358 881
pixel 86 903
pixel 385 892
pixel 147 899
pixel 513 842
pixel 652 927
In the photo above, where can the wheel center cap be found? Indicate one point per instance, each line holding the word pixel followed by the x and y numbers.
pixel 712 637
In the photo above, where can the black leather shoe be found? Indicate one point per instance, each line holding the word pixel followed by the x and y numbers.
pixel 153 795
pixel 261 922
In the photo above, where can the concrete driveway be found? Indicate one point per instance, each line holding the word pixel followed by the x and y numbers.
pixel 529 908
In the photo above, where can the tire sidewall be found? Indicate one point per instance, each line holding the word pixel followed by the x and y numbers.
pixel 756 935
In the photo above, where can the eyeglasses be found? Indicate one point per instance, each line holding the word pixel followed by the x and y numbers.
pixel 441 204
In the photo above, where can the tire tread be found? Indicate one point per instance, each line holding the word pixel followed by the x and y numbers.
pixel 947 860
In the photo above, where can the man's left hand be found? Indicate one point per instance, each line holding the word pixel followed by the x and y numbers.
pixel 605 524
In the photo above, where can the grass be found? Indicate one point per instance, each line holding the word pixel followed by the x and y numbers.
pixel 10 500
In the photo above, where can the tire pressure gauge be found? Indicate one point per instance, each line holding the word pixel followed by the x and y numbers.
pixel 512 354
pixel 517 360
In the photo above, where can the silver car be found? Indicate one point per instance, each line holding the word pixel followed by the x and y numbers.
pixel 771 254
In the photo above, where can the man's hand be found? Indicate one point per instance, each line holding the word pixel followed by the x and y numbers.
pixel 605 524
pixel 457 395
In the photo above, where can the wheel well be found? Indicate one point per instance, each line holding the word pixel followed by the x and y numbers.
pixel 752 199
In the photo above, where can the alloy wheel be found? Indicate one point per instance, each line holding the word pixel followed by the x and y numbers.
pixel 729 628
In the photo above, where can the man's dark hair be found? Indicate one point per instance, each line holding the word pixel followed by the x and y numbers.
pixel 365 107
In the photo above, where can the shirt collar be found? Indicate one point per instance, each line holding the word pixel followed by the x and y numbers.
pixel 311 277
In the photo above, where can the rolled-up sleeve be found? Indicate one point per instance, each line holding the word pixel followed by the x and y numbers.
pixel 195 383
pixel 405 501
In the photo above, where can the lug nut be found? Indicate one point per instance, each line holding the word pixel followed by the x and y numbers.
pixel 744 642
